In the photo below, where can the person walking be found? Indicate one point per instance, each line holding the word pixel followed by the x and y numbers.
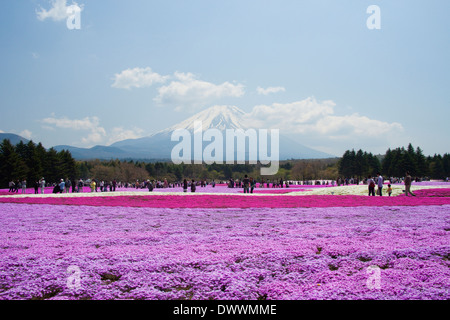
pixel 149 186
pixel 193 186
pixel 11 186
pixel 24 186
pixel 380 183
pixel 42 183
pixel 246 183
pixel 389 190
pixel 93 184
pixel 67 185
pixel 80 185
pixel 252 184
pixel 36 187
pixel 62 186
pixel 185 185
pixel 371 184
pixel 407 182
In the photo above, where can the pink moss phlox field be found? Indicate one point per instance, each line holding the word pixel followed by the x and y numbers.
pixel 234 246
pixel 208 189
pixel 232 253
pixel 432 193
pixel 241 201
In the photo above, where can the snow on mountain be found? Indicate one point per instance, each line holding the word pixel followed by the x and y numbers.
pixel 218 117
pixel 160 146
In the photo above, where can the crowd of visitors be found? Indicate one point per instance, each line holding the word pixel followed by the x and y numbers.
pixel 375 184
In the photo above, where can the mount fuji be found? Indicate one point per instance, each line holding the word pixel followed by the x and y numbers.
pixel 159 146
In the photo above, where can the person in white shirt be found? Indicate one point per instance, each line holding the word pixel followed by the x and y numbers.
pixel 42 183
pixel 24 186
pixel 380 183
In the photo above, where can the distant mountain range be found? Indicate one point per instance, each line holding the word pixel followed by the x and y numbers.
pixel 13 138
pixel 159 145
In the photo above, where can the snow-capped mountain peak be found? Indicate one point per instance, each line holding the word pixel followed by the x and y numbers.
pixel 218 117
pixel 160 146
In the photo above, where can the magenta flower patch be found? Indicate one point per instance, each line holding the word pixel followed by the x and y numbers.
pixel 237 201
pixel 87 252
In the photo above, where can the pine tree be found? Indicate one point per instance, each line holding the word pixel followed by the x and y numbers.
pixel 374 164
pixel 361 164
pixel 12 167
pixel 409 163
pixel 411 159
pixel 386 163
pixel 446 165
pixel 33 162
pixel 68 168
pixel 436 167
pixel 51 166
pixel 347 166
pixel 421 163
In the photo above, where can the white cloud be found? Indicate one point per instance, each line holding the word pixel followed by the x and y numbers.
pixel 76 124
pixel 317 121
pixel 94 132
pixel 91 125
pixel 270 90
pixel 1 131
pixel 138 78
pixel 119 134
pixel 48 128
pixel 187 92
pixel 26 134
pixel 58 11
pixel 96 136
pixel 293 117
pixel 341 126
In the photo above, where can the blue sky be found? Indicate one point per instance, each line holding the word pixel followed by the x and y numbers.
pixel 312 69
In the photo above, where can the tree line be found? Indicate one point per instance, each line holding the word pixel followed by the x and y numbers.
pixel 32 161
pixel 394 163
pixel 125 171
pixel 130 171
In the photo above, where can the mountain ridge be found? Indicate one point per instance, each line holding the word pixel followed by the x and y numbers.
pixel 13 138
pixel 159 145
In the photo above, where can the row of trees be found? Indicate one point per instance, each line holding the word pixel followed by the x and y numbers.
pixel 358 164
pixel 131 171
pixel 394 164
pixel 413 160
pixel 31 162
pixel 353 163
